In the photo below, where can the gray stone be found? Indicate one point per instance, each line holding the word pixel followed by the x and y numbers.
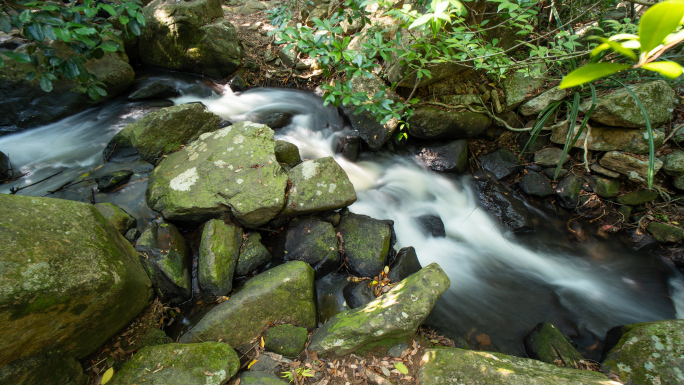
pixel 605 138
pixel 45 369
pixel 314 242
pixel 432 123
pixel 330 297
pixel 665 233
pixel 549 157
pixel 121 220
pixel 5 168
pixel 277 120
pixel 431 225
pixel 397 350
pixel 568 191
pixel 638 197
pixel 252 256
pixel 518 84
pixel 673 164
pixel 269 56
pixel 112 180
pixel 218 256
pixel 537 105
pixel 154 90
pixel 502 163
pixel 287 153
pixel 597 168
pixel 260 378
pixel 551 173
pixel 349 146
pixel 357 294
pixel 679 182
pixel 252 6
pixel 367 243
pixel 287 56
pixel 450 157
pixel 547 344
pixel 634 168
pixel 405 263
pixel 604 187
pixel 536 184
pixel 499 200
pixel 132 235
pixel 287 340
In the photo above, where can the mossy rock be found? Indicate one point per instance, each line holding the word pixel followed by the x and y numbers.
pixel 288 340
pixel 367 243
pixel 218 255
pixel 546 343
pixel 260 378
pixel 314 242
pixel 431 123
pixel 636 198
pixel 568 191
pixel 253 255
pixel 208 363
pixel 536 184
pixel 51 368
pixel 518 84
pixel 604 187
pixel 673 164
pixel 287 153
pixel 121 220
pixel 112 180
pixel 665 233
pixel 154 337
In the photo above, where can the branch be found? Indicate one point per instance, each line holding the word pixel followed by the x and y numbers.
pixel 642 2
pixel 486 111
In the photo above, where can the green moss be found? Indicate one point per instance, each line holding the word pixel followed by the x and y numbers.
pixel 218 255
pixel 288 340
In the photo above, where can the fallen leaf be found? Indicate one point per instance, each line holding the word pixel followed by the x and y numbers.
pixel 401 367
pixel 107 376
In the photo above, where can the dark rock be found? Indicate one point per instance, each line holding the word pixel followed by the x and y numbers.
pixel 314 242
pixel 287 153
pixel 46 369
pixel 348 146
pixel 5 168
pixel 266 363
pixel 260 378
pixel 277 120
pixel 122 220
pixel 546 343
pixel 330 297
pixel 332 217
pixel 636 198
pixel 568 191
pixel 132 235
pixel 154 90
pixel 237 83
pixel 431 225
pixel 501 163
pixel 112 180
pixel 450 157
pixel 604 187
pixel 536 184
pixel 550 157
pixel 665 233
pixel 551 173
pixel 253 255
pixel 404 264
pixel 499 200
pixel 218 255
pixel 432 123
pixel 358 294
pixel 288 340
pixel 367 243
pixel 539 143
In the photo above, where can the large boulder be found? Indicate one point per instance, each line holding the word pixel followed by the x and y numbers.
pixel 181 36
pixel 394 316
pixel 162 132
pixel 208 363
pixel 50 368
pixel 647 353
pixel 69 279
pixel 621 110
pixel 218 255
pixel 634 168
pixel 432 123
pixel 442 365
pixel 314 242
pixel 284 293
pixel 367 243
pixel 606 138
pixel 232 170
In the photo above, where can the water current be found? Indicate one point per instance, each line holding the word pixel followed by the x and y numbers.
pixel 502 284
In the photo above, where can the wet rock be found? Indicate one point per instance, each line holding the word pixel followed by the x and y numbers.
pixel 252 256
pixel 405 263
pixel 673 164
pixel 518 84
pixel 539 103
pixel 393 316
pixel 442 365
pixel 431 124
pixel 546 343
pixel 154 90
pixel 357 294
pixel 121 220
pixel 523 141
pixel 551 173
pixel 550 157
pixel 330 297
pixel 233 169
pixel 431 225
pixel 75 276
pixel 318 185
pixel 277 120
pixel 349 146
pixel 639 197
pixel 450 157
pixel 665 233
pixel 502 163
pixel 605 138
pixel 314 242
pixel 604 187
pixel 46 369
pixel 237 84
pixel 112 180
pixel 568 191
pixel 5 168
pixel 287 153
pixel 536 184
pixel 499 200
pixel 183 364
pixel 647 353
pixel 283 293
pixel 218 256
pixel 132 235
pixel 260 378
pixel 642 242
pixel 367 243
pixel 288 340
pixel 620 110
pixel 166 257
pixel 634 168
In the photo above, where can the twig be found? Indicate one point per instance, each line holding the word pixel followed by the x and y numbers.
pixel 486 111
pixel 672 133
pixel 14 190
pixel 586 140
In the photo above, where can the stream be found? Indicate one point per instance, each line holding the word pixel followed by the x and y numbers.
pixel 502 284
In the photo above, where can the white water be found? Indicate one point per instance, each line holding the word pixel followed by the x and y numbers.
pixel 501 285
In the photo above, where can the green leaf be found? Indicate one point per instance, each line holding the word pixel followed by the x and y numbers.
pixel 109 9
pixel 401 367
pixel 35 31
pixel 107 47
pixel 49 32
pixel 25 16
pixel 63 34
pixel 421 20
pixel 107 376
pixel 619 48
pixel 669 69
pixel 659 21
pixel 2 62
pixel 45 84
pixel 18 57
pixel 123 20
pixel 134 27
pixel 5 23
pixel 30 76
pixel 591 72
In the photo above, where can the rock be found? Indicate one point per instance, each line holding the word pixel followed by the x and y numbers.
pixel 318 185
pixel 5 168
pixel 499 200
pixel 162 132
pixel 215 175
pixel 546 343
pixel 367 243
pixel 604 138
pixel 349 146
pixel 604 187
pixel 253 255
pixel 536 184
pixel 45 369
pixel 431 123
pixel 185 39
pixel 183 364
pixel 442 365
pixel 639 197
pixel 277 120
pixel 397 350
pixel 269 56
pixel 154 90
pixel 679 136
pixel 393 316
pixel 260 378
pixel 431 225
pixel 288 340
pixel 550 157
pixel 539 103
pixel 405 263
pixel 287 153
pixel 523 141
pixel 673 164
pixel 620 110
pixel 634 168
pixel 112 180
pixel 665 233
pixel 154 337
pixel 284 293
pixel 75 283
pixel 330 297
pixel 287 56
pixel 166 257
pixel 597 168
pixel 314 242
pixel 568 191
pixel 121 220
pixel 518 84
pixel 502 163
pixel 357 294
pixel 551 173
pixel 218 255
pixel 132 235
pixel 237 84
pixel 641 241
pixel 679 182
pixel 252 6
pixel 450 157
pixel 648 353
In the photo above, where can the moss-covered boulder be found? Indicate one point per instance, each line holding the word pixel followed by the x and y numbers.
pixel 393 316
pixel 619 108
pixel 367 243
pixel 442 365
pixel 638 197
pixel 208 363
pixel 288 340
pixel 518 84
pixel 253 255
pixel 287 153
pixel 46 369
pixel 433 123
pixel 666 233
pixel 232 170
pixel 218 255
pixel 284 293
pixel 547 344
pixel 166 257
pixel 606 138
pixel 318 185
pixel 314 242
pixel 649 353
pixel 550 157
pixel 69 280
pixel 122 220
pixel 162 132
pixel 633 167
pixel 260 378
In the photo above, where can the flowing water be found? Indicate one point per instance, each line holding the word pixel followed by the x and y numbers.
pixel 502 284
